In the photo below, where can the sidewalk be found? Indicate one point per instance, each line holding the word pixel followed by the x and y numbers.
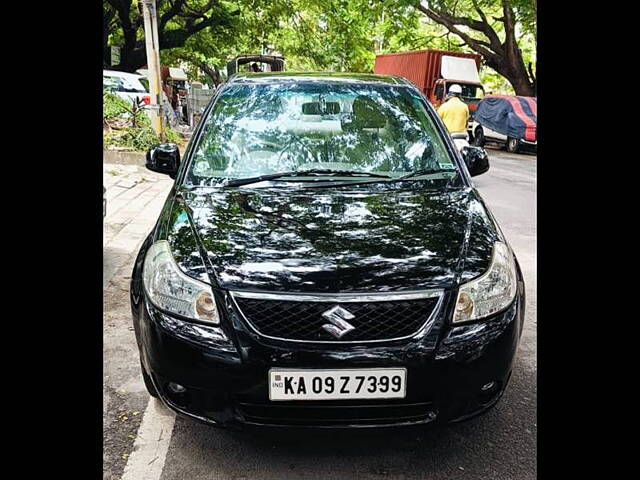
pixel 134 199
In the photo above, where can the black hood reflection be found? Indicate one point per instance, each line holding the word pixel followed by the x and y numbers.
pixel 332 240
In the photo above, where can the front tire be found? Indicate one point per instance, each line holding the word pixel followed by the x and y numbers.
pixel 478 137
pixel 512 145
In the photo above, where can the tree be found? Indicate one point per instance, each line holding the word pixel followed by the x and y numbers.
pixel 330 35
pixel 177 22
pixel 492 28
pixel 345 35
pixel 252 31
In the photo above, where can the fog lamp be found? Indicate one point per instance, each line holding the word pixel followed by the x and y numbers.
pixel 488 386
pixel 176 387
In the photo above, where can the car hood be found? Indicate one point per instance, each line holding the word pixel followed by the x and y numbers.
pixel 310 240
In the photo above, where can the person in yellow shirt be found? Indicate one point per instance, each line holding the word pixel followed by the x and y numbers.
pixel 454 112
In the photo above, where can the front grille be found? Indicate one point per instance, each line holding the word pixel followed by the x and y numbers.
pixel 303 321
pixel 317 414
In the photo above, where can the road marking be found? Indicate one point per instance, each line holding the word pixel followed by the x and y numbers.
pixel 146 462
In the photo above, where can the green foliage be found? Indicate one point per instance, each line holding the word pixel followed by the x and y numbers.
pixel 329 35
pixel 130 128
pixel 251 29
pixel 318 35
pixel 173 136
pixel 345 35
pixel 493 82
pixel 113 106
pixel 139 139
pixel 492 28
pixel 178 22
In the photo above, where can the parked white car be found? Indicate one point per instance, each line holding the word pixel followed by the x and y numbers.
pixel 126 85
pixel 481 135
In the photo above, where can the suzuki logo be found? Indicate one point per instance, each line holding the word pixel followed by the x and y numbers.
pixel 338 317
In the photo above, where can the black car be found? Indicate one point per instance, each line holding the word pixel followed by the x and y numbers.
pixel 324 260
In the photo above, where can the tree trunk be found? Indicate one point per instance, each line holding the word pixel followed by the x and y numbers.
pixel 212 72
pixel 519 77
pixel 132 59
pixel 514 70
pixel 523 87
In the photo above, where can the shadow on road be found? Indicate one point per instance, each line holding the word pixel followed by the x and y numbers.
pixel 525 154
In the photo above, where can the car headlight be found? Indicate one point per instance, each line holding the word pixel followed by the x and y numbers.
pixel 172 291
pixel 492 291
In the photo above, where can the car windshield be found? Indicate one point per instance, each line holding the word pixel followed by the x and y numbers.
pixel 123 84
pixel 259 129
pixel 471 92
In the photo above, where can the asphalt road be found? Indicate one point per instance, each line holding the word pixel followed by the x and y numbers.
pixel 498 445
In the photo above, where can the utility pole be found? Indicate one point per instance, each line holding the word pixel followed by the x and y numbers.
pixel 153 64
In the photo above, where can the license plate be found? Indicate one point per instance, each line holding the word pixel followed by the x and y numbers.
pixel 337 384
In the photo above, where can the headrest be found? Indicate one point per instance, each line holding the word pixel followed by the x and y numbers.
pixel 315 108
pixel 367 113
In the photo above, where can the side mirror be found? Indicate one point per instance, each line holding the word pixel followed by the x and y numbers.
pixel 476 159
pixel 164 158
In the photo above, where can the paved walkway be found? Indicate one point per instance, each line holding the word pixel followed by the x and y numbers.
pixel 134 199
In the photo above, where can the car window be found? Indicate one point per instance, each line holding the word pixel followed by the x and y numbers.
pixel 123 84
pixel 471 91
pixel 439 92
pixel 266 128
pixel 131 85
pixel 110 83
pixel 145 83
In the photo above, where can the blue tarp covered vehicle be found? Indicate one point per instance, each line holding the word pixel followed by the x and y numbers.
pixel 513 116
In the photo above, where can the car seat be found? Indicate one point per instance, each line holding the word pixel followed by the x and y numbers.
pixel 367 116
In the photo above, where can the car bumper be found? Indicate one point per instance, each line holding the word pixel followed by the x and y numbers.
pixel 225 379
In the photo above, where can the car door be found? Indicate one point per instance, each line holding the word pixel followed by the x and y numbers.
pixel 492 134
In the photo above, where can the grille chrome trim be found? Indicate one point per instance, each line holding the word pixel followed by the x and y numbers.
pixel 340 298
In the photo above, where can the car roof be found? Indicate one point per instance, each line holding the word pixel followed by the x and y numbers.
pixel 506 97
pixel 116 73
pixel 319 77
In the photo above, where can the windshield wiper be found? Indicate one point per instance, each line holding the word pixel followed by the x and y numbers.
pixel 389 179
pixel 425 171
pixel 301 173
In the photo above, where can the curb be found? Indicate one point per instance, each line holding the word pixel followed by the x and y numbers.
pixel 123 157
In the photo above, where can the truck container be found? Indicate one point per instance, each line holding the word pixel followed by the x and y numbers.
pixel 433 71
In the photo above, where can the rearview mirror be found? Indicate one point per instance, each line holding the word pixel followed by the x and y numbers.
pixel 164 158
pixel 476 159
